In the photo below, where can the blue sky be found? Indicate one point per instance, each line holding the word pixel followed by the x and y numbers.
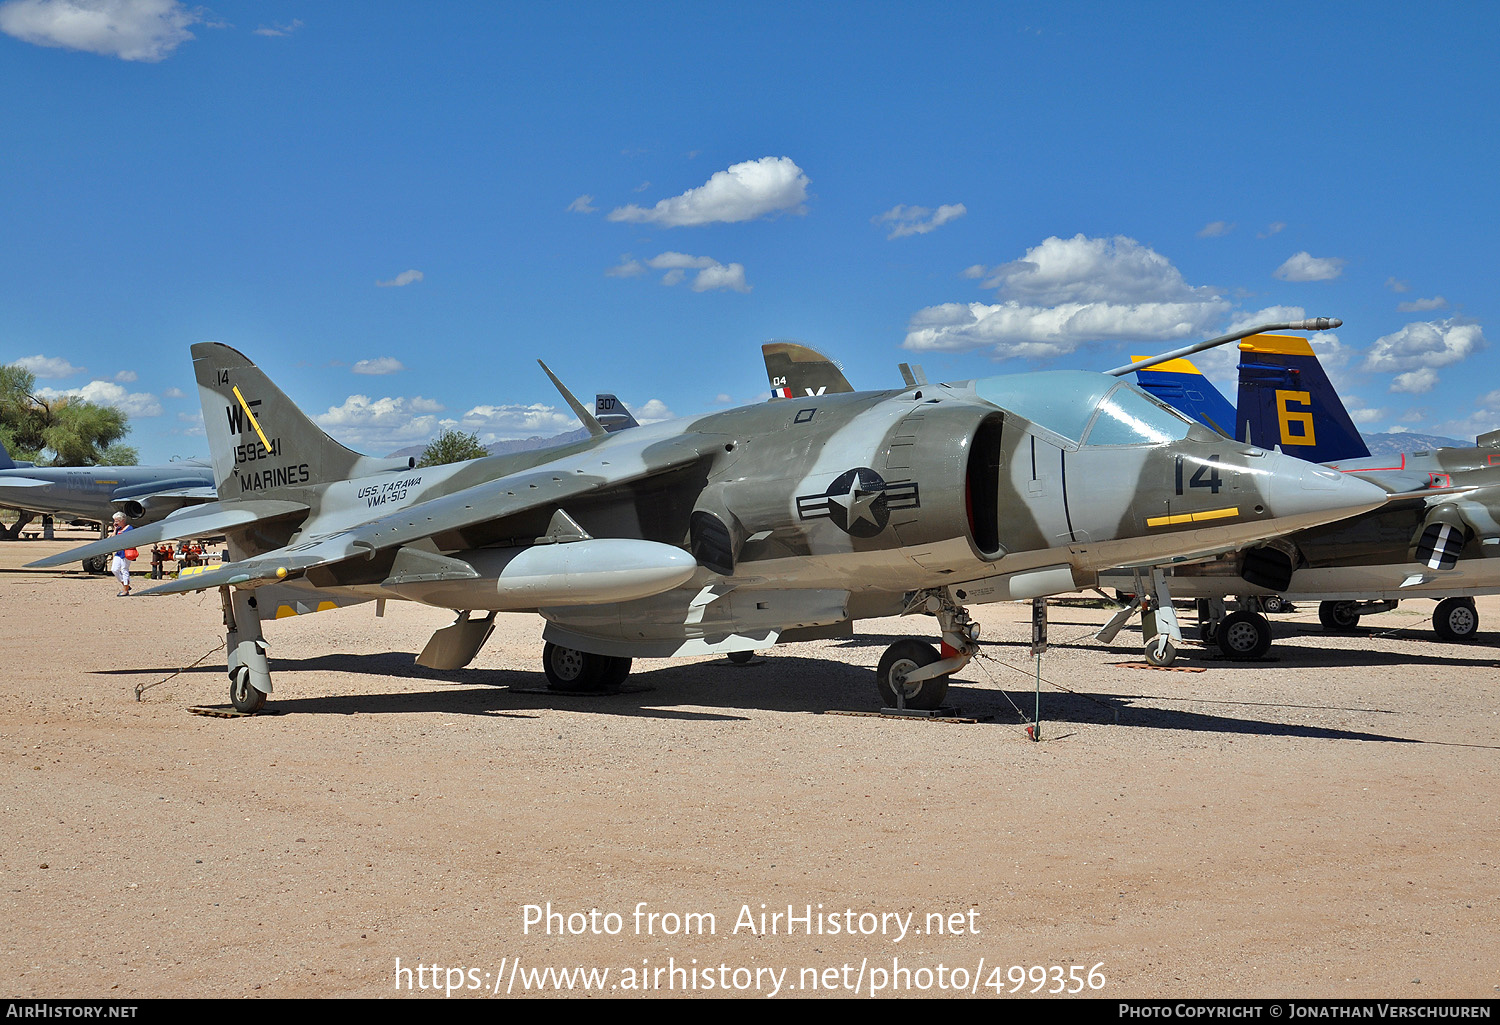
pixel 396 208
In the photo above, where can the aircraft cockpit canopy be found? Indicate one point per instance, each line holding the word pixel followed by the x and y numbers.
pixel 1086 408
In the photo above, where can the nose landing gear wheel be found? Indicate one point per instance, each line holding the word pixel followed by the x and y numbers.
pixel 902 659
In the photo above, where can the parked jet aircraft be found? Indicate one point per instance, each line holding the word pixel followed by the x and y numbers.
pixel 143 493
pixel 735 530
pixel 1441 546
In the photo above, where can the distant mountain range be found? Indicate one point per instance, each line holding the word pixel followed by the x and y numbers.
pixel 1395 444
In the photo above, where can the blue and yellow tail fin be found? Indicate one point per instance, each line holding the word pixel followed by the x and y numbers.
pixel 1286 401
pixel 1180 384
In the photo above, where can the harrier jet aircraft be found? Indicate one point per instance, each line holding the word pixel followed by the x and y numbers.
pixel 738 529
pixel 1439 542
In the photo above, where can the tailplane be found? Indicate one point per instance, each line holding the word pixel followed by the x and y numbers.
pixel 1286 401
pixel 262 445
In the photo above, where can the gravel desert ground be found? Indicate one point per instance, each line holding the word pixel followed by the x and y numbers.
pixel 1320 824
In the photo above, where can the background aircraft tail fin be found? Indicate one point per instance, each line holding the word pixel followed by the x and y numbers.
pixel 6 462
pixel 612 414
pixel 1286 401
pixel 261 443
pixel 1182 386
pixel 796 371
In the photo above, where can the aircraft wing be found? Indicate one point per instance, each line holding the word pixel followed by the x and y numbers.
pixel 546 486
pixel 197 521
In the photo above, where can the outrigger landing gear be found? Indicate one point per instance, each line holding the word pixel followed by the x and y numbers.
pixel 249 671
pixel 1159 624
pixel 912 673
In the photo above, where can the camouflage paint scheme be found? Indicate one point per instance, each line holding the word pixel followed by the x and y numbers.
pixel 728 532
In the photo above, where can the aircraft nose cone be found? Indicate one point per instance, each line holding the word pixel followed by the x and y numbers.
pixel 1311 494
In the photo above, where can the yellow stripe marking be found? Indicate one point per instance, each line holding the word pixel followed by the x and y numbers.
pixel 1172 366
pixel 324 606
pixel 253 422
pixel 1197 517
pixel 283 611
pixel 1285 345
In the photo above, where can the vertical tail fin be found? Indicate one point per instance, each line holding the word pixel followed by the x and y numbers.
pixel 260 442
pixel 1287 401
pixel 1180 385
pixel 796 371
pixel 612 414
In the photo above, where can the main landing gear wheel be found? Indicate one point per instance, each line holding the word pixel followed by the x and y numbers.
pixel 615 670
pixel 1244 635
pixel 97 565
pixel 242 695
pixel 1160 651
pixel 901 659
pixel 1456 619
pixel 739 658
pixel 571 669
pixel 1341 616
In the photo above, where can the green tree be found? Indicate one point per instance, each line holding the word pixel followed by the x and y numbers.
pixel 451 447
pixel 75 432
pixel 119 455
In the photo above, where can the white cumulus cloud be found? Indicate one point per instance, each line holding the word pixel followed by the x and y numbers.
pixel 406 277
pixel 381 424
pixel 1066 292
pixel 108 393
pixel 744 192
pixel 279 29
pixel 1304 266
pixel 1437 302
pixel 1216 229
pixel 626 268
pixel 378 365
pixel 918 220
pixel 1415 382
pixel 712 275
pixel 48 367
pixel 506 422
pixel 582 205
pixel 1425 345
pixel 652 411
pixel 133 30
